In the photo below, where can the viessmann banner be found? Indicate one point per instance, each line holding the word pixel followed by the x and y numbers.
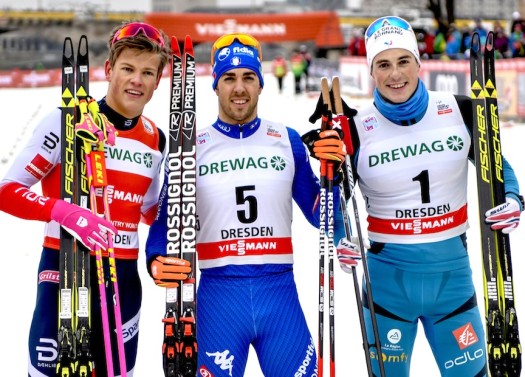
pixel 321 27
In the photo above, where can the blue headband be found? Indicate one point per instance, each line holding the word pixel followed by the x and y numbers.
pixel 234 56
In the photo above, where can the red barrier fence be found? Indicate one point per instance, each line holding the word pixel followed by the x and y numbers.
pixel 450 76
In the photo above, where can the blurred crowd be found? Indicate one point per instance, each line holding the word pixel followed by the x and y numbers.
pixel 453 43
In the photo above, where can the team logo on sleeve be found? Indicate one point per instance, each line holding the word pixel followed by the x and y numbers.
pixel 39 167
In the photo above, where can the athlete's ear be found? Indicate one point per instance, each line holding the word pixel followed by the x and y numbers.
pixel 107 70
pixel 158 80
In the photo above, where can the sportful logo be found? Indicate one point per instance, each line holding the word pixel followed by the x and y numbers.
pixel 454 143
pixel 246 163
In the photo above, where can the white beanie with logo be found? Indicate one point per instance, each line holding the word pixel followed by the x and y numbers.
pixel 387 33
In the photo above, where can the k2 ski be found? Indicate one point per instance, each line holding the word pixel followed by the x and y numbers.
pixel 503 344
pixel 179 349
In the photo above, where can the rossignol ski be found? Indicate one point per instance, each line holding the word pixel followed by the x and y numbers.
pixel 503 345
pixel 179 349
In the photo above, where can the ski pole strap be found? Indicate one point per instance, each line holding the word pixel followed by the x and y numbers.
pixel 86 127
pixel 107 128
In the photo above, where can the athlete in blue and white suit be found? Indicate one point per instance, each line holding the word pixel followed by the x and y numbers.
pixel 248 171
pixel 413 149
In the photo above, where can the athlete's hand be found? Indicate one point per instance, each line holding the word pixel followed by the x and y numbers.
pixel 505 217
pixel 320 108
pixel 168 271
pixel 348 253
pixel 90 229
pixel 326 145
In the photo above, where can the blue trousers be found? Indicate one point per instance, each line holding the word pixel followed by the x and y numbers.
pixel 445 304
pixel 44 326
pixel 264 312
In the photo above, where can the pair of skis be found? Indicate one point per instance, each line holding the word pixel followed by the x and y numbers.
pixel 84 133
pixel 179 348
pixel 334 117
pixel 503 344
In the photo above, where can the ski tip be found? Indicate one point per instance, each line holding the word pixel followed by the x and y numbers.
pixel 175 49
pixel 475 43
pixel 188 45
pixel 68 47
pixel 83 48
pixel 489 44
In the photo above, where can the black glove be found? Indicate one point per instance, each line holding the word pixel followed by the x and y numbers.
pixel 320 108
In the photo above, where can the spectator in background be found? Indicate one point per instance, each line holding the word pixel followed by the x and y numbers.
pixel 517 42
pixel 465 40
pixel 501 41
pixel 429 36
pixel 298 67
pixel 356 47
pixel 516 37
pixel 303 50
pixel 440 43
pixel 453 44
pixel 480 29
pixel 279 69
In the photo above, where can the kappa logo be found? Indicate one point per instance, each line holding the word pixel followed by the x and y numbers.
pixel 222 359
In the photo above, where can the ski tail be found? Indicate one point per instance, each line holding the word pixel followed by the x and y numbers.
pixel 179 348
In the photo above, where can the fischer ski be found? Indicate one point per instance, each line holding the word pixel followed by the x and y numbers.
pixel 66 338
pixel 179 349
pixel 84 133
pixel 84 358
pixel 503 344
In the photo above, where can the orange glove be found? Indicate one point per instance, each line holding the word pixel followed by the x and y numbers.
pixel 330 146
pixel 168 271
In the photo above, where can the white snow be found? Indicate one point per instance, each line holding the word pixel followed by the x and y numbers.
pixel 22 239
